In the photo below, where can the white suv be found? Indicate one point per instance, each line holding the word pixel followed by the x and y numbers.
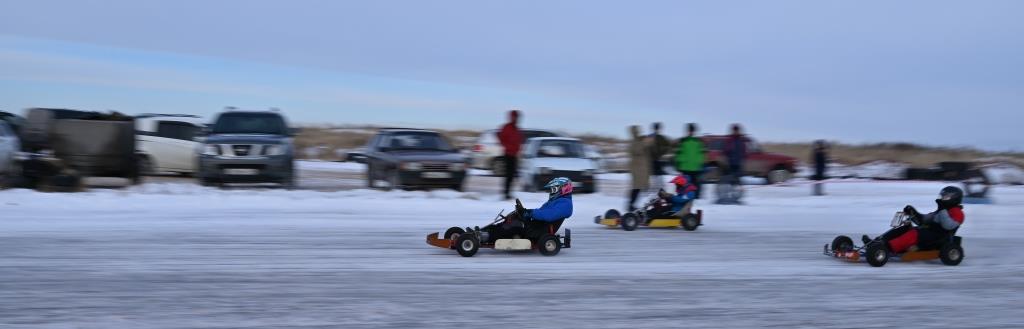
pixel 166 142
pixel 487 152
pixel 9 146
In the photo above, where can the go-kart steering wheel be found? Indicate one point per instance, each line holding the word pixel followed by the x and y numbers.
pixel 520 210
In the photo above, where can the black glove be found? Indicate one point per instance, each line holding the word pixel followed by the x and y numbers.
pixel 911 211
pixel 527 215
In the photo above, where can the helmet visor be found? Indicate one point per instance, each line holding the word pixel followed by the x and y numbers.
pixel 946 196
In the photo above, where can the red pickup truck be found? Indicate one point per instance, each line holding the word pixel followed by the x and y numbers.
pixel 773 167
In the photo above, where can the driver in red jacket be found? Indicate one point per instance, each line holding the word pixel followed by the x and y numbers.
pixel 932 227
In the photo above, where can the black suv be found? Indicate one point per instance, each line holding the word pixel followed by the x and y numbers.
pixel 247 147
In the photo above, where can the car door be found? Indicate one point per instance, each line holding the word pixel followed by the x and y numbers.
pixel 6 147
pixel 526 162
pixel 178 145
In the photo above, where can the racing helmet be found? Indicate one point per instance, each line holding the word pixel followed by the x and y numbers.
pixel 558 187
pixel 950 196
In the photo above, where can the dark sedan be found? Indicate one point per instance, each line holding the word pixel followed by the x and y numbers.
pixel 411 158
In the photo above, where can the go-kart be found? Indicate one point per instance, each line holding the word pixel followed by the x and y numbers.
pixel 877 253
pixel 650 215
pixel 507 232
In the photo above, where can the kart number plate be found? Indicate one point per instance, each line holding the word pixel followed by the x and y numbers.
pixel 241 171
pixel 436 175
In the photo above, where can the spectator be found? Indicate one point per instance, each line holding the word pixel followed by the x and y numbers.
pixel 690 157
pixel 639 165
pixel 736 153
pixel 820 158
pixel 659 146
pixel 512 140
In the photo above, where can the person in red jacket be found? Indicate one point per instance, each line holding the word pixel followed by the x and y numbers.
pixel 512 140
pixel 931 227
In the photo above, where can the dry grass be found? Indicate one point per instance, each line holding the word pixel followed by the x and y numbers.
pixel 331 138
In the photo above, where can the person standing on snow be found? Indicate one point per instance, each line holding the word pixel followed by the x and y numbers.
pixel 639 166
pixel 736 153
pixel 511 139
pixel 819 156
pixel 690 157
pixel 659 146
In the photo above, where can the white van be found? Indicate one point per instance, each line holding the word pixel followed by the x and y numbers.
pixel 166 142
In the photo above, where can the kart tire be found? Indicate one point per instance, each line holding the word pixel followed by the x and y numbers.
pixel 548 245
pixel 951 254
pixel 612 214
pixel 841 243
pixel 689 222
pixel 467 245
pixel 453 232
pixel 629 222
pixel 877 254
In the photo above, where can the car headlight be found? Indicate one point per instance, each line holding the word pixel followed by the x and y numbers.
pixel 544 170
pixel 211 149
pixel 274 150
pixel 458 166
pixel 412 166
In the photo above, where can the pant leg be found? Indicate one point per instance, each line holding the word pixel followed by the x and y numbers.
pixel 695 179
pixel 903 242
pixel 633 194
pixel 511 170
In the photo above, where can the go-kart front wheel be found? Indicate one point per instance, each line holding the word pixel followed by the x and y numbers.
pixel 690 222
pixel 630 221
pixel 467 245
pixel 877 254
pixel 951 254
pixel 548 245
pixel 841 243
pixel 453 233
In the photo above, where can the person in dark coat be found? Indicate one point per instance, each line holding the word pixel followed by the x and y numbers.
pixel 736 153
pixel 511 139
pixel 819 156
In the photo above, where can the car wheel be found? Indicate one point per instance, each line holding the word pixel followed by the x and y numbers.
pixel 453 233
pixel 548 245
pixel 467 245
pixel 841 243
pixel 629 221
pixel 146 166
pixel 877 254
pixel 689 222
pixel 778 175
pixel 951 254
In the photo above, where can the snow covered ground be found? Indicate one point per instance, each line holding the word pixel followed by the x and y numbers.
pixel 176 255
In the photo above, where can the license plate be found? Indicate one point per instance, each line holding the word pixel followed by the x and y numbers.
pixel 241 171
pixel 436 175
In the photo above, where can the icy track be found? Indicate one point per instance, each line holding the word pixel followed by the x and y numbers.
pixel 181 256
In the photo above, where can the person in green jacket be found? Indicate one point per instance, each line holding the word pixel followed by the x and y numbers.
pixel 690 156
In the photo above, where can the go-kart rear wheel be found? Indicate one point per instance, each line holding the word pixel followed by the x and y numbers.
pixel 877 254
pixel 630 221
pixel 951 254
pixel 612 214
pixel 453 233
pixel 689 222
pixel 841 243
pixel 548 245
pixel 467 245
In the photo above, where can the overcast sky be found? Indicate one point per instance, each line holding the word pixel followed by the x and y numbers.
pixel 933 72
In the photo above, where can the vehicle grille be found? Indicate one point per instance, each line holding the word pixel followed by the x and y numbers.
pixel 241 150
pixel 435 166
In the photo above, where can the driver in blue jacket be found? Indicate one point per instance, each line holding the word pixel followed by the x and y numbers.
pixel 556 210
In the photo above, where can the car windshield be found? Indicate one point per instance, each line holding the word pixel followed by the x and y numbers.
pixel 527 134
pixel 419 141
pixel 250 123
pixel 559 149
